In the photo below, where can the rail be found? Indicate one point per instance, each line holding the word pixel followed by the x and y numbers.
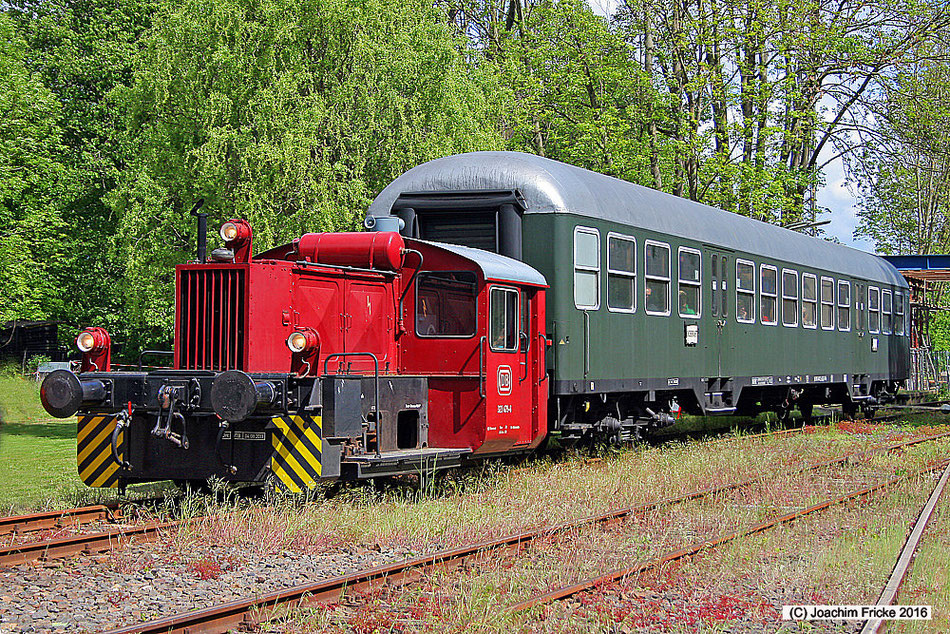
pixel 379 414
pixel 154 353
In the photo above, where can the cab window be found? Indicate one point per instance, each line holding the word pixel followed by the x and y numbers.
pixel 445 304
pixel 503 319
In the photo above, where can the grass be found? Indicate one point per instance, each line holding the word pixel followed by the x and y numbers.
pixel 839 556
pixel 38 454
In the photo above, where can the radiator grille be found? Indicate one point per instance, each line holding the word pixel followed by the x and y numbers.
pixel 211 305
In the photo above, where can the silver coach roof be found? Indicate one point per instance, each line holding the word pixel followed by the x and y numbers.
pixel 552 187
pixel 492 265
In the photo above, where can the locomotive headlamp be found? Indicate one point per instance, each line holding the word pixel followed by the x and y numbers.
pixel 303 341
pixel 96 347
pixel 229 232
pixel 86 341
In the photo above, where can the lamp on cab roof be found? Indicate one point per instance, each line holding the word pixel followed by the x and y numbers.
pixel 237 235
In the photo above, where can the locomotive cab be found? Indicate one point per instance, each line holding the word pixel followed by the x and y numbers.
pixel 337 356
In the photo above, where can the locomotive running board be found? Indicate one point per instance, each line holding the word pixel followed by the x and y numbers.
pixel 402 461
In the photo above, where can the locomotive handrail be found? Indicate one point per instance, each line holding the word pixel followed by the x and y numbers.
pixel 379 415
pixel 160 353
pixel 481 366
pixel 542 351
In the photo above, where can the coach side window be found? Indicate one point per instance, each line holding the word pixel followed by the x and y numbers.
pixel 874 309
pixel 789 298
pixel 809 301
pixel 844 305
pixel 657 278
pixel 827 303
pixel 886 312
pixel 768 294
pixel 621 273
pixel 586 268
pixel 690 282
pixel 745 291
pixel 898 313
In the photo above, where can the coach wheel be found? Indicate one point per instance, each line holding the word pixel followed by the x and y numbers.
pixel 868 412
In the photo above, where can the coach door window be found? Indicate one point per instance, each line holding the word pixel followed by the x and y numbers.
pixel 827 303
pixel 886 312
pixel 503 319
pixel 809 301
pixel 445 304
pixel 586 268
pixel 768 294
pixel 745 291
pixel 898 313
pixel 844 305
pixel 789 298
pixel 621 273
pixel 690 282
pixel 874 309
pixel 657 278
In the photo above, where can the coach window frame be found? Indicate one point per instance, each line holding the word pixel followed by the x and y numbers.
pixel 844 306
pixel 887 311
pixel 630 276
pixel 586 268
pixel 507 290
pixel 809 302
pixel 774 297
pixel 874 309
pixel 647 278
pixel 696 285
pixel 830 303
pixel 792 298
pixel 745 292
pixel 899 316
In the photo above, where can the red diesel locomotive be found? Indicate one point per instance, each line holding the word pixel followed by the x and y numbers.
pixel 337 356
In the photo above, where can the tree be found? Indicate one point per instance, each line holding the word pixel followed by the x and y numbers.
pixel 32 184
pixel 289 114
pixel 81 50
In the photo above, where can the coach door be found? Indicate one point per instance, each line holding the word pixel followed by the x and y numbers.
pixel 720 307
pixel 511 368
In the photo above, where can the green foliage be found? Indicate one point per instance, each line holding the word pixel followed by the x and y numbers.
pixel 292 115
pixel 32 181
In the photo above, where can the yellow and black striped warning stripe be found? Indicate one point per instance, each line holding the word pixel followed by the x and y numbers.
pixel 94 450
pixel 298 448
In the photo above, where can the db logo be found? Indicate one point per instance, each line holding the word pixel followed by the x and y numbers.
pixel 504 380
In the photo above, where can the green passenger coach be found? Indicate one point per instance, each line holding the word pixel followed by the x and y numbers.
pixel 659 305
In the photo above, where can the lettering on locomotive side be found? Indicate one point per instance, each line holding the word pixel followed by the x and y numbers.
pixel 244 435
pixel 504 409
pixel 504 380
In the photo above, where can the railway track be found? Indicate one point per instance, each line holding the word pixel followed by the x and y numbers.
pixel 905 559
pixel 245 612
pixel 708 544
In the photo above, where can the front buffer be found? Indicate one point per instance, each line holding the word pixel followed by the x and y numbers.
pixel 190 426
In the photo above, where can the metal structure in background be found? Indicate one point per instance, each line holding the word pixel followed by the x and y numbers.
pixel 930 369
